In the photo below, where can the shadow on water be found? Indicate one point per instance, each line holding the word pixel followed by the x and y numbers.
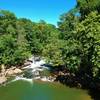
pixel 83 83
pixel 95 94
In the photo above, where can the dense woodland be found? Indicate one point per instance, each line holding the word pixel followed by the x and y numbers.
pixel 74 44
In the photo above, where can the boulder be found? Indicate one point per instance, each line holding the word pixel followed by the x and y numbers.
pixel 3 79
pixel 9 72
pixel 17 71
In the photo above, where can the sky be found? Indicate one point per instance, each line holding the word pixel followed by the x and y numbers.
pixel 48 10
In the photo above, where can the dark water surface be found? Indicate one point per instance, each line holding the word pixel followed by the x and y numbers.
pixel 23 90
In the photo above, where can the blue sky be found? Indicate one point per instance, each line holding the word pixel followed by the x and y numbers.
pixel 48 10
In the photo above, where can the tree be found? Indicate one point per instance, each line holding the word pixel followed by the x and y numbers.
pixel 71 50
pixel 11 53
pixel 53 53
pixel 88 34
pixel 7 22
pixel 13 45
pixel 87 6
pixel 67 23
pixel 40 36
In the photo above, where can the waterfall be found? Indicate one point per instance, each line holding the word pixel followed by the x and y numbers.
pixel 35 67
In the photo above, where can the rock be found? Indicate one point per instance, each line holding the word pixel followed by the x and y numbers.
pixel 17 71
pixel 36 73
pixel 79 85
pixel 2 68
pixel 27 63
pixel 13 71
pixel 3 79
pixel 9 72
pixel 61 73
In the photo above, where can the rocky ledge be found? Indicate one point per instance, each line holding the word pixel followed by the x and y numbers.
pixel 6 73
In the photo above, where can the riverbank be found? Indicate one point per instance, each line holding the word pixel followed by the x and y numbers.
pixel 33 68
pixel 9 72
pixel 78 80
pixel 18 74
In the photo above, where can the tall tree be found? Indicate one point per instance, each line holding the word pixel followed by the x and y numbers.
pixel 87 6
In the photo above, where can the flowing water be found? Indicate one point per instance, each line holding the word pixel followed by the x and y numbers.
pixel 38 90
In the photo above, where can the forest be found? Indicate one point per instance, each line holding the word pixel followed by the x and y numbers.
pixel 73 46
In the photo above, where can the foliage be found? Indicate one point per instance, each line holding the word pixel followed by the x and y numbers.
pixel 67 24
pixel 75 43
pixel 88 34
pixel 53 53
pixel 87 6
pixel 21 37
pixel 7 22
pixel 10 52
pixel 41 35
pixel 13 46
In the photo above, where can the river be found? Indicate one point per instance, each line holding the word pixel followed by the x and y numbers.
pixel 38 90
pixel 23 88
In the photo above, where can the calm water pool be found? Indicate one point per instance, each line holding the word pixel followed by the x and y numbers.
pixel 23 90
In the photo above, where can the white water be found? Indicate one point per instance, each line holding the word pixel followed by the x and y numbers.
pixel 35 67
pixel 20 78
pixel 38 66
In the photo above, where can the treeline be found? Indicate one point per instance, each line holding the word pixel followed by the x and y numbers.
pixel 80 33
pixel 74 44
pixel 21 38
pixel 78 46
